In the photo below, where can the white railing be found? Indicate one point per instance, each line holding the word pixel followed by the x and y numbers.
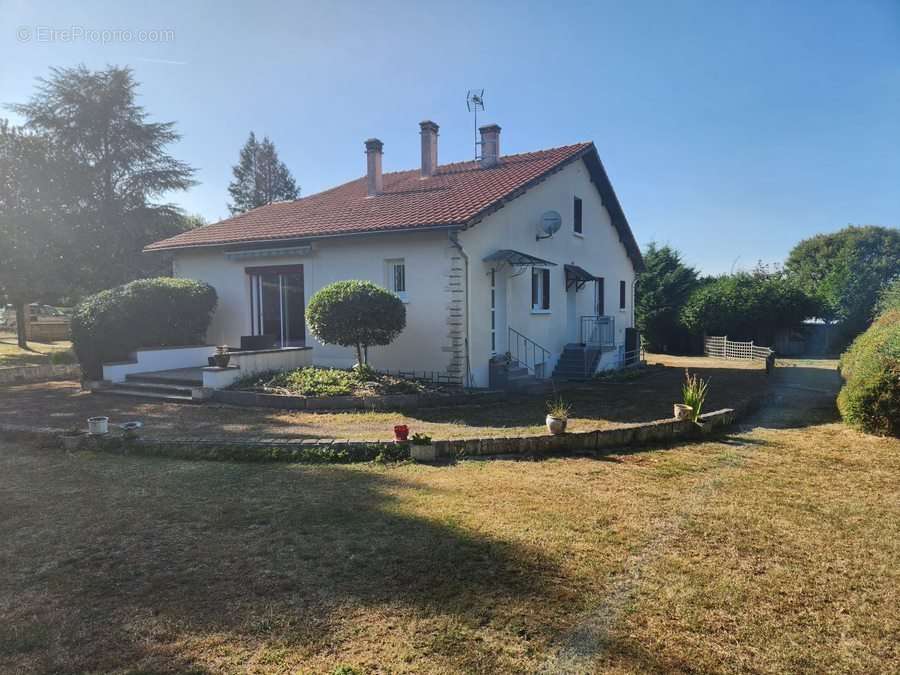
pixel 723 348
pixel 598 331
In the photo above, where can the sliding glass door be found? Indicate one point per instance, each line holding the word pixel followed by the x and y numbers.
pixel 277 305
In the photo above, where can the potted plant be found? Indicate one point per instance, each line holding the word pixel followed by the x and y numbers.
pixel 222 356
pixel 557 416
pixel 694 391
pixel 73 438
pixel 401 433
pixel 421 448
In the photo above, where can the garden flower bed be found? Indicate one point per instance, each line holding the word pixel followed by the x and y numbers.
pixel 313 381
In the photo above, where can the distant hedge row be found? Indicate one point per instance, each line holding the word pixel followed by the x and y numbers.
pixel 870 397
pixel 161 312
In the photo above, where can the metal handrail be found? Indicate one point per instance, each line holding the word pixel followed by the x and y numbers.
pixel 598 331
pixel 520 346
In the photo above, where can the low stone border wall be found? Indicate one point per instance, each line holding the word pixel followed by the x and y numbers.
pixel 385 402
pixel 330 449
pixel 45 371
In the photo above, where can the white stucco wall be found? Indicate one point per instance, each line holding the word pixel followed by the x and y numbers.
pixel 599 251
pixel 428 257
pixel 429 341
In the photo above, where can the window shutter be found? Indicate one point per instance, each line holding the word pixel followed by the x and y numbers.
pixel 534 289
pixel 545 274
pixel 621 295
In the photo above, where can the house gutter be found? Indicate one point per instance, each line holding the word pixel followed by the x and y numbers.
pixel 453 236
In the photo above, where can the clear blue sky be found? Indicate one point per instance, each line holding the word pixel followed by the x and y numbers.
pixel 729 129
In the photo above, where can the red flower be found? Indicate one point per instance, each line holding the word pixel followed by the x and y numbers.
pixel 401 432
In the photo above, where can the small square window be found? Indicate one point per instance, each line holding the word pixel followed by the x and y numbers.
pixel 396 277
pixel 576 216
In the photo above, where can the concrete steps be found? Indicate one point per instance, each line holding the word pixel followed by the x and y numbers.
pixel 176 386
pixel 577 362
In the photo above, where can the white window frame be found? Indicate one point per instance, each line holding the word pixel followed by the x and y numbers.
pixel 538 307
pixel 391 278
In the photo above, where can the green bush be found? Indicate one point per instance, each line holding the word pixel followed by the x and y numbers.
pixel 161 312
pixel 870 397
pixel 356 314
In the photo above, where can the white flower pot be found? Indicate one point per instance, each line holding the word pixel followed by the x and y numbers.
pixel 683 412
pixel 423 453
pixel 97 426
pixel 556 425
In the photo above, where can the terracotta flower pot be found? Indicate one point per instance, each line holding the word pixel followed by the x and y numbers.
pixel 556 425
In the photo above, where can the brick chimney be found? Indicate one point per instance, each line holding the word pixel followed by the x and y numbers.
pixel 374 182
pixel 429 131
pixel 490 145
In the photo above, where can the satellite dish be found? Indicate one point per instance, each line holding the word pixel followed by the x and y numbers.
pixel 551 221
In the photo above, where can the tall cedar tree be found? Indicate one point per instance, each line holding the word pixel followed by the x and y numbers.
pixel 260 178
pixel 122 167
pixel 662 289
pixel 33 248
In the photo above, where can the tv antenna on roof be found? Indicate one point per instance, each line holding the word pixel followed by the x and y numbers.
pixel 474 101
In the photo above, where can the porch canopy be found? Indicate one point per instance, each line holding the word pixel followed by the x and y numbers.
pixel 577 276
pixel 517 259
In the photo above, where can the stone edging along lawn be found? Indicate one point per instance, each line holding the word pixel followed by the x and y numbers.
pixel 344 451
pixel 39 373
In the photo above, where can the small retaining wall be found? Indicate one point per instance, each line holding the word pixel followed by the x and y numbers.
pixel 258 361
pixel 599 442
pixel 43 372
pixel 158 358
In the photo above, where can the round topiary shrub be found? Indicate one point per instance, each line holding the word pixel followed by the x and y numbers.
pixel 356 314
pixel 161 312
pixel 870 397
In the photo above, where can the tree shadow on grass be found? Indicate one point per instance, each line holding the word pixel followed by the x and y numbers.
pixel 116 560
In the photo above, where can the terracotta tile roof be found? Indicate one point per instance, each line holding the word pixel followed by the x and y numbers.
pixel 457 194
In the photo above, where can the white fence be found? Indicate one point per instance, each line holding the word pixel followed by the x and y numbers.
pixel 723 348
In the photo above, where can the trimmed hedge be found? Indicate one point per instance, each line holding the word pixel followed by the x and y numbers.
pixel 162 312
pixel 870 397
pixel 355 314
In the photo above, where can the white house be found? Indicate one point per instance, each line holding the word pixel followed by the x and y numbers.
pixel 469 247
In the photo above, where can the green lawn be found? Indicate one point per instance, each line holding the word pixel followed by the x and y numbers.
pixel 775 549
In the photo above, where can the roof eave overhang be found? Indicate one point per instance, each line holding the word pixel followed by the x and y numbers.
pixel 310 238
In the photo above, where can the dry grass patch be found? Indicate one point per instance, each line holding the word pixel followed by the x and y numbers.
pixel 773 550
pixel 37 352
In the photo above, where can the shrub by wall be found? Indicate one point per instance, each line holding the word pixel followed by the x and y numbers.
pixel 870 397
pixel 160 312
